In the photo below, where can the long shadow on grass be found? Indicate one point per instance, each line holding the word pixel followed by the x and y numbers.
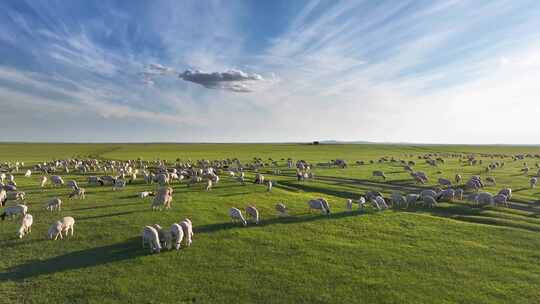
pixel 82 218
pixel 303 218
pixel 75 260
pixel 110 206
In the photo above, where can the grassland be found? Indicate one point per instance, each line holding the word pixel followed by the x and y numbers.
pixel 450 254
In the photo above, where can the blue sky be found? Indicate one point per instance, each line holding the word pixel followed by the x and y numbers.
pixel 405 71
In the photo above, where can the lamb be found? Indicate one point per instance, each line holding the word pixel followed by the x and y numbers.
pixel 177 235
pixel 320 204
pixel 379 174
pixel 54 204
pixel 13 211
pixel 62 226
pixel 80 193
pixel 236 215
pixel 150 237
pixel 253 213
pixel 56 180
pixel 28 173
pixel 533 182
pixel 26 225
pixel 164 236
pixel 163 198
pixel 187 227
pixel 281 209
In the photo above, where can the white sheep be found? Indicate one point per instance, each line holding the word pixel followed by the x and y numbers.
pixel 500 199
pixel 319 204
pixel 28 173
pixel 43 181
pixel 236 215
pixel 208 184
pixel 26 225
pixel 163 198
pixel 252 213
pixel 150 236
pixel 62 226
pixel 68 223
pixel 397 199
pixel 3 197
pixel 379 202
pixel 412 198
pixel 72 184
pixel 54 204
pixel 187 227
pixel 507 192
pixel 177 235
pixel 144 194
pixel 79 193
pixel 164 236
pixel 12 211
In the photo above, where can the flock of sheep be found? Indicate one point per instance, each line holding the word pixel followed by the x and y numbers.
pixel 119 174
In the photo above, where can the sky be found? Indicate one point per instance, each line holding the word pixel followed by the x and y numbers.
pixel 270 71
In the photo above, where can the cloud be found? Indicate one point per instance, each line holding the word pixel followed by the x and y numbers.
pixel 231 80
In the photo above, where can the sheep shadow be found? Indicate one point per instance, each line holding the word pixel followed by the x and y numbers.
pixel 109 215
pixel 75 260
pixel 302 218
pixel 107 206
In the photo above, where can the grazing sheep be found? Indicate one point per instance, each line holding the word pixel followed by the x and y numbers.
pixel 507 192
pixel 177 235
pixel 458 179
pixel 150 236
pixel 80 193
pixel 72 184
pixel 209 184
pixel 485 198
pixel 361 202
pixel 320 204
pixel 269 186
pixel 446 195
pixel 459 194
pixel 28 173
pixel 164 236
pixel 62 226
pixel 281 209
pixel 16 195
pixel 187 227
pixel 26 225
pixel 533 182
pixel 397 199
pixel 444 182
pixel 54 204
pixel 429 201
pixel 379 174
pixel 379 202
pixel 500 199
pixel 144 194
pixel 119 184
pixel 3 197
pixel 43 181
pixel 13 211
pixel 163 198
pixel 428 192
pixel 259 178
pixel 236 215
pixel 412 198
pixel 252 213
pixel 56 180
pixel 349 204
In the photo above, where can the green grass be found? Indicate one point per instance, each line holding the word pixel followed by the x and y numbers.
pixel 450 254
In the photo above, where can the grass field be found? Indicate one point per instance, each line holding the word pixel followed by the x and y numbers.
pixel 453 253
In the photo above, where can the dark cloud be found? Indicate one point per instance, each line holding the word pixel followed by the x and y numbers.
pixel 231 80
